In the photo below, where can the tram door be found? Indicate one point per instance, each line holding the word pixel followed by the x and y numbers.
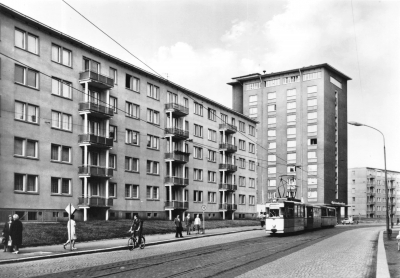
pixel 310 218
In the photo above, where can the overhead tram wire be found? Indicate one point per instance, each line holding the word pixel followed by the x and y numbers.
pixel 166 80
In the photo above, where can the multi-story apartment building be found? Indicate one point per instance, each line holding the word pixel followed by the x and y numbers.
pixel 367 192
pixel 80 126
pixel 302 133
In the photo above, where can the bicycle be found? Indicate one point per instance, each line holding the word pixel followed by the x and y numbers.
pixel 132 242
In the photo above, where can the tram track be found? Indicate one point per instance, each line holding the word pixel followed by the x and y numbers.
pixel 208 259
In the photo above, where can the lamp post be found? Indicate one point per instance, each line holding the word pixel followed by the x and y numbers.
pixel 386 184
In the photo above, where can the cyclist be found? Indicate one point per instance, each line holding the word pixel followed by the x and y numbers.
pixel 137 228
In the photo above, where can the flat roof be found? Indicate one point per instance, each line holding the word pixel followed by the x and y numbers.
pixel 12 12
pixel 372 168
pixel 254 76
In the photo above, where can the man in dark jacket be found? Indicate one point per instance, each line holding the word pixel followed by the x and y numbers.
pixel 16 233
pixel 178 226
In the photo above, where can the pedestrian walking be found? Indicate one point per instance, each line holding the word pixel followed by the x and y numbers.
pixel 197 223
pixel 16 229
pixel 398 221
pixel 188 221
pixel 262 219
pixel 178 226
pixel 71 233
pixel 6 234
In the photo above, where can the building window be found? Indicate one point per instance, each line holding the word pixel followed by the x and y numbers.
pixel 312 168
pixel 253 112
pixel 271 132
pixel 271 121
pixel 61 88
pixel 132 83
pixel 112 190
pixel 312 155
pixel 212 156
pixel 25 183
pixel 197 174
pixel 114 104
pixel 60 153
pixel 153 116
pixel 242 145
pixel 153 142
pixel 335 82
pixel 252 183
pixel 25 147
pixel 132 137
pixel 91 65
pixel 113 132
pixel 291 169
pixel 153 167
pixel 312 141
pixel 26 112
pixel 311 76
pixel 291 131
pixel 242 181
pixel 197 196
pixel 242 163
pixel 291 157
pixel 312 128
pixel 112 161
pixel 291 144
pixel 152 193
pixel 212 114
pixel 26 41
pixel 252 86
pixel 114 75
pixel 224 118
pixel 291 79
pixel 61 55
pixel 26 76
pixel 198 130
pixel 242 126
pixel 212 176
pixel 271 145
pixel 312 180
pixel 132 110
pixel 252 130
pixel 252 148
pixel 312 116
pixel 252 165
pixel 311 89
pixel 212 135
pixel 212 197
pixel 312 102
pixel 242 199
pixel 252 200
pixel 271 170
pixel 253 100
pixel 271 108
pixel 131 164
pixel 291 94
pixel 198 152
pixel 61 120
pixel 271 183
pixel 60 186
pixel 132 191
pixel 271 83
pixel 153 91
pixel 291 105
pixel 198 109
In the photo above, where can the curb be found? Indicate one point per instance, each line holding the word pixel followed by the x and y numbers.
pixel 110 249
pixel 382 268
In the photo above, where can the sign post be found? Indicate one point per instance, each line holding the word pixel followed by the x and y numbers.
pixel 203 207
pixel 70 210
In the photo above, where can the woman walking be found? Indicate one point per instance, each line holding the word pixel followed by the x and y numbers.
pixel 16 233
pixel 197 223
pixel 71 233
pixel 6 233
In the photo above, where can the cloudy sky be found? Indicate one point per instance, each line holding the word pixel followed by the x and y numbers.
pixel 202 44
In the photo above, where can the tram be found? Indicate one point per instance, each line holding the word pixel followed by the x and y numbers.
pixel 289 215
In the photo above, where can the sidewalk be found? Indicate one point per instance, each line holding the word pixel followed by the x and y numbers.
pixel 57 251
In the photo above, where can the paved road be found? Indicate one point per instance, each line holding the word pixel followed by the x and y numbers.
pixel 251 254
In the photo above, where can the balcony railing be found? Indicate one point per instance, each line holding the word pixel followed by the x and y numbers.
pixel 370 193
pixel 176 205
pixel 176 181
pixel 227 187
pixel 177 109
pixel 227 206
pixel 96 139
pixel 95 202
pixel 228 128
pixel 96 79
pixel 228 147
pixel 97 108
pixel 183 134
pixel 177 156
pixel 228 167
pixel 95 171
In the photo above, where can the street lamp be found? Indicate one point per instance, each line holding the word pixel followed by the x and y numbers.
pixel 386 184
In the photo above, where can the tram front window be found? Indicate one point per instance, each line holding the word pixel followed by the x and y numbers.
pixel 274 213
